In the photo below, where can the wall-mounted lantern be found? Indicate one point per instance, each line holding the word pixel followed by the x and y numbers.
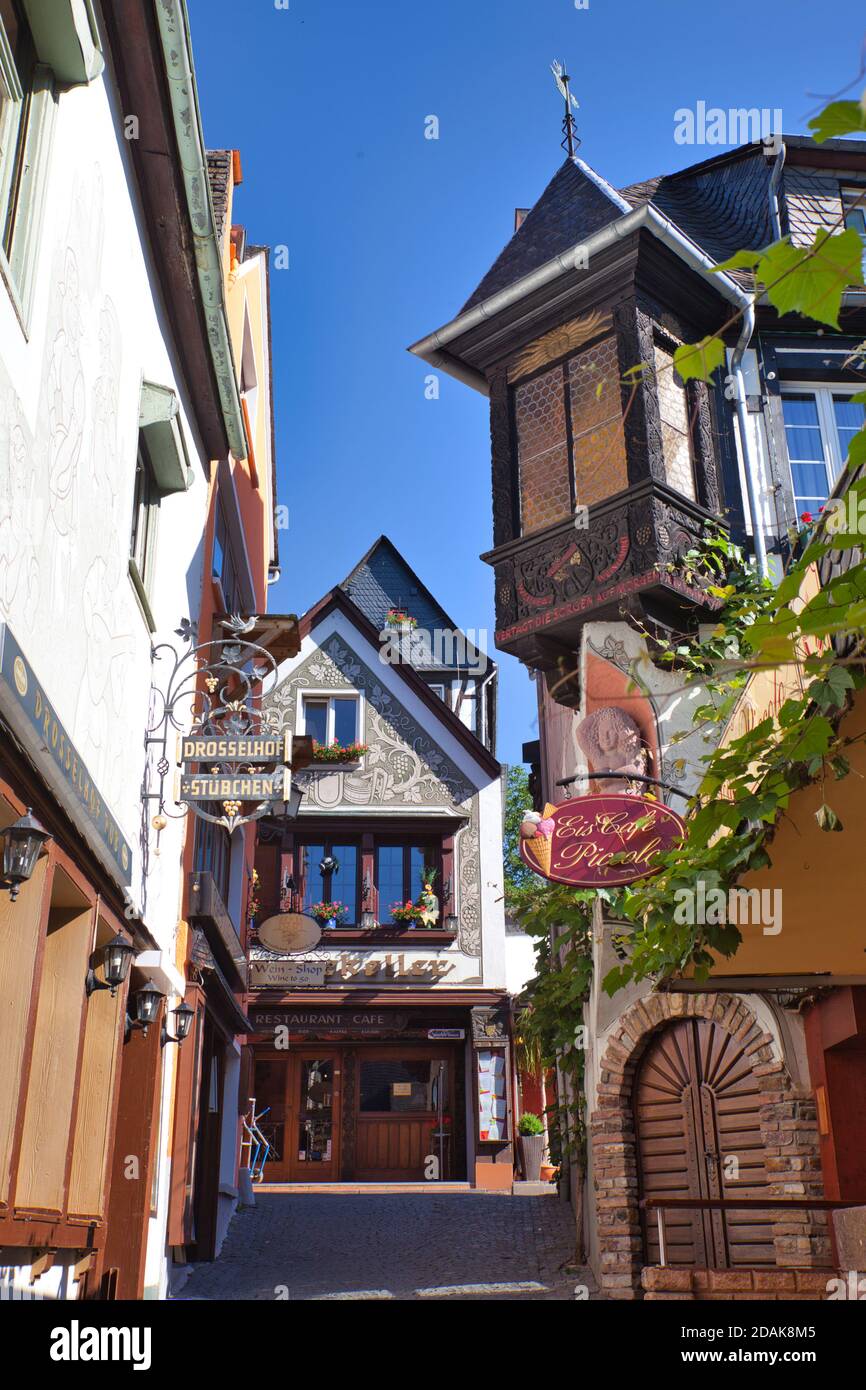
pixel 293 801
pixel 22 844
pixel 368 917
pixel 183 1016
pixel 146 1002
pixel 117 957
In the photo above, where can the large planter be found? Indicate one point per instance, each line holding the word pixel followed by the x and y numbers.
pixel 531 1154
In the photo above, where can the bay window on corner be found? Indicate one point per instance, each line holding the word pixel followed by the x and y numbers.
pixel 820 422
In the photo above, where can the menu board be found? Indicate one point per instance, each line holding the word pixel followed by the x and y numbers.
pixel 492 1103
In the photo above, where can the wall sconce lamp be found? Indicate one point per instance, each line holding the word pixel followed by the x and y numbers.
pixel 368 916
pixel 146 1001
pixel 183 1016
pixel 117 957
pixel 22 844
pixel 450 921
pixel 293 801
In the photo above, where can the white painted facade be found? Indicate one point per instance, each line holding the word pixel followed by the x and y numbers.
pixel 70 382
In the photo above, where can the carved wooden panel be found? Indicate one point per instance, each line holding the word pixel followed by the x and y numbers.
pixel 505 518
pixel 567 573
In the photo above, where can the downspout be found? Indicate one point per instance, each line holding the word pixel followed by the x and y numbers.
pixel 173 23
pixel 775 181
pixel 743 425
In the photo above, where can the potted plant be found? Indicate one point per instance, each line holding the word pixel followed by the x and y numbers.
pixel 329 914
pixel 337 752
pixel 409 914
pixel 398 617
pixel 531 1131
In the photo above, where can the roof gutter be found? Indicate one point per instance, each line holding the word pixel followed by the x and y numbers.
pixel 173 25
pixel 433 348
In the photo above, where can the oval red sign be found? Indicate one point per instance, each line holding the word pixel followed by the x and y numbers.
pixel 600 841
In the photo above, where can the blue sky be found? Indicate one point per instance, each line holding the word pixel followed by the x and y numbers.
pixel 388 233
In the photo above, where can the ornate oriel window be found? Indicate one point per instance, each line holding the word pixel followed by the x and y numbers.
pixel 569 436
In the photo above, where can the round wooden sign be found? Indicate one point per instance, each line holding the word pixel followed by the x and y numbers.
pixel 290 933
pixel 600 841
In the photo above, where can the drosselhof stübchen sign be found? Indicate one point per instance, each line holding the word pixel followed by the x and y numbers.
pixel 263 748
pixel 195 786
pixel 600 841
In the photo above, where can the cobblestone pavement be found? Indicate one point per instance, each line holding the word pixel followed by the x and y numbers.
pixel 408 1247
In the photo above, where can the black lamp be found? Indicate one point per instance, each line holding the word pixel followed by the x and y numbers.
pixel 117 957
pixel 183 1016
pixel 368 917
pixel 22 844
pixel 293 801
pixel 146 1002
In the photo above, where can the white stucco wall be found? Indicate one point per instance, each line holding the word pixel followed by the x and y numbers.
pixel 69 407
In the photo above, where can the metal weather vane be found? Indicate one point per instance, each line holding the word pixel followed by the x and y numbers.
pixel 570 139
pixel 231 753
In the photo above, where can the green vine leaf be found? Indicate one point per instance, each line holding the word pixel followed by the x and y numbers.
pixel 810 280
pixel 839 118
pixel 698 361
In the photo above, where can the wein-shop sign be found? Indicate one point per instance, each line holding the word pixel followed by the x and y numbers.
pixel 600 841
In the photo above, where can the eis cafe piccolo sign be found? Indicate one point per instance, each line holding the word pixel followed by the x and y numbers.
pixel 599 841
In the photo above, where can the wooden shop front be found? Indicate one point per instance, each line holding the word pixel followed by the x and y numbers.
pixel 366 1093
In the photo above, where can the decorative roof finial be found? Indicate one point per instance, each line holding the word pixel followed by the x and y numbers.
pixel 570 141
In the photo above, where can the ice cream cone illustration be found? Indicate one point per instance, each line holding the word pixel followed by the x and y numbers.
pixel 541 844
pixel 539 847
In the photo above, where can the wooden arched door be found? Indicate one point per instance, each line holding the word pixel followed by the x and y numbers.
pixel 697 1119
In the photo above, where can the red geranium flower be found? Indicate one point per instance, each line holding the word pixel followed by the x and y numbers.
pixel 807 517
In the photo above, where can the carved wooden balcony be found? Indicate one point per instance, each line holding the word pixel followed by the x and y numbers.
pixel 550 583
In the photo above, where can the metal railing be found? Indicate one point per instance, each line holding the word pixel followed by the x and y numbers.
pixel 662 1204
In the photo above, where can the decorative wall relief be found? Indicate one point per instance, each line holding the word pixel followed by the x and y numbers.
pixel 403 767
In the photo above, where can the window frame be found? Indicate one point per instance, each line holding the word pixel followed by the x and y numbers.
pixel 329 840
pixel 142 559
pixel 24 163
pixel 433 856
pixel 823 393
pixel 329 696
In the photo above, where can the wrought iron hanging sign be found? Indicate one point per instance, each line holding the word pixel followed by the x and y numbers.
pixel 599 841
pixel 234 765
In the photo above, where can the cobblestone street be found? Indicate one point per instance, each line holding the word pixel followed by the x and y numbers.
pixel 415 1246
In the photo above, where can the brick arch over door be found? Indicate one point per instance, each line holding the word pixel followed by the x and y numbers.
pixel 788 1127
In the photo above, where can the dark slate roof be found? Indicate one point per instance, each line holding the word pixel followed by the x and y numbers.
pixel 572 206
pixel 723 207
pixel 382 579
pixel 219 170
pixel 721 203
